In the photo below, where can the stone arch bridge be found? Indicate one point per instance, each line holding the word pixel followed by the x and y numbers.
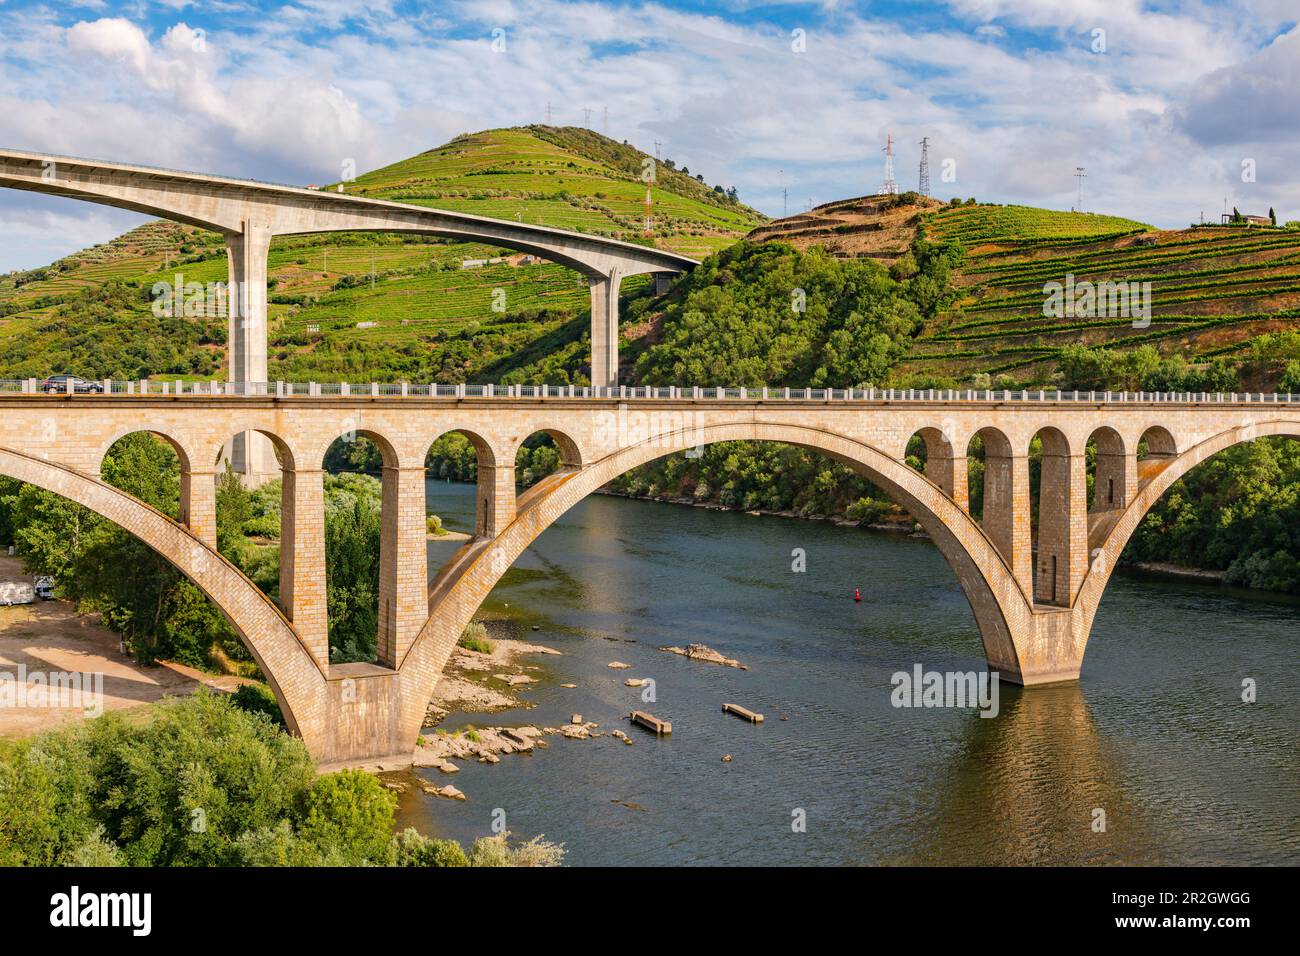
pixel 1034 606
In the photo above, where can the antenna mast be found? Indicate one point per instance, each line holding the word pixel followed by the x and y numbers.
pixel 1080 175
pixel 924 184
pixel 890 187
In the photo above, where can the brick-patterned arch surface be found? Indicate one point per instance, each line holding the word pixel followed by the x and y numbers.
pixel 457 594
pixel 1105 557
pixel 297 681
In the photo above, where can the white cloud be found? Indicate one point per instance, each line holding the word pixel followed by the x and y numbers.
pixel 288 95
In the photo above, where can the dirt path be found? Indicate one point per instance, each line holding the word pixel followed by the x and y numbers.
pixel 49 636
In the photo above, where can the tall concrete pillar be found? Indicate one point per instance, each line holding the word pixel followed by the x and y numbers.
pixel 251 455
pixel 1116 480
pixel 496 499
pixel 1062 558
pixel 1006 512
pixel 198 505
pixel 946 468
pixel 403 564
pixel 302 559
pixel 604 330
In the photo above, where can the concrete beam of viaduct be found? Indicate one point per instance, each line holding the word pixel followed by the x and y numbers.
pixel 1033 630
pixel 251 213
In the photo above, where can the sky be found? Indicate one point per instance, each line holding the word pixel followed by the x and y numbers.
pixel 1171 107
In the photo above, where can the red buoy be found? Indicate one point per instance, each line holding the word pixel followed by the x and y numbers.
pixel 857 596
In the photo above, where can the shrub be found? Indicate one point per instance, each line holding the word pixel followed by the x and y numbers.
pixel 258 699
pixel 352 813
pixel 415 849
pixel 474 638
pixel 496 851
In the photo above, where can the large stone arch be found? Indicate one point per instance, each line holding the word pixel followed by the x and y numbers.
pixel 1105 556
pixel 996 599
pixel 265 631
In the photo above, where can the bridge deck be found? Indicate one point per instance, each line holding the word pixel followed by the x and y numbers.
pixel 115 389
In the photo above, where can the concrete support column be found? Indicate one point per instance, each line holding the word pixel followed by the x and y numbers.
pixel 302 559
pixel 1116 481
pixel 251 454
pixel 403 564
pixel 1006 513
pixel 604 330
pixel 496 499
pixel 1062 557
pixel 662 281
pixel 948 471
pixel 198 507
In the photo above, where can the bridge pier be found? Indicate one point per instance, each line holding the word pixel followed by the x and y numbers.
pixel 604 329
pixel 403 563
pixel 198 504
pixel 251 454
pixel 496 499
pixel 302 559
pixel 1062 525
pixel 1006 511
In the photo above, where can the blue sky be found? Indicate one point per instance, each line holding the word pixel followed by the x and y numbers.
pixel 1163 102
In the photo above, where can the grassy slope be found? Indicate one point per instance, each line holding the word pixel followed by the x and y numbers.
pixel 1213 289
pixel 432 317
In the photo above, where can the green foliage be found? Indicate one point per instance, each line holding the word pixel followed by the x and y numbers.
pixel 205 783
pixel 1238 512
pixel 1140 369
pixel 353 530
pixel 474 637
pixel 768 314
pixel 351 812
pixel 257 698
pixel 415 849
pixel 496 851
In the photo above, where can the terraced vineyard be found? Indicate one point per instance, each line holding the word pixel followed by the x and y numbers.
pixel 1212 290
pixel 344 305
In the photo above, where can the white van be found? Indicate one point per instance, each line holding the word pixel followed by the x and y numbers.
pixel 16 592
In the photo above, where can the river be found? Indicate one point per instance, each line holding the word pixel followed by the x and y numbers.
pixel 1155 735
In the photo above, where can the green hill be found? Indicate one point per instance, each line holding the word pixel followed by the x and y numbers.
pixel 379 305
pixel 1215 291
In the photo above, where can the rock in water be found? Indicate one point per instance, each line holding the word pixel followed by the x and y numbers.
pixel 701 652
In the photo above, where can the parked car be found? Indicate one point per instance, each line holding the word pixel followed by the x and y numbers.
pixel 59 384
pixel 44 587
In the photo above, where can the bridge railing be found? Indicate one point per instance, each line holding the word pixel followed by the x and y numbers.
pixel 623 392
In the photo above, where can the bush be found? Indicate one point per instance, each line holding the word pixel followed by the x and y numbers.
pixel 352 813
pixel 257 698
pixel 415 849
pixel 474 638
pixel 496 851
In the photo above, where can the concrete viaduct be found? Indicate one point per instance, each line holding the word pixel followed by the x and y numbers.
pixel 249 214
pixel 1033 602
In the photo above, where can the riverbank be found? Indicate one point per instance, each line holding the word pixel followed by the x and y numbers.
pixel 48 637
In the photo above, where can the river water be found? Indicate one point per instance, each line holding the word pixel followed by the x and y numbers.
pixel 1155 735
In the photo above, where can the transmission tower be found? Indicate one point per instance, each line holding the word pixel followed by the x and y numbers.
pixel 1080 174
pixel 924 184
pixel 548 112
pixel 586 112
pixel 605 120
pixel 889 187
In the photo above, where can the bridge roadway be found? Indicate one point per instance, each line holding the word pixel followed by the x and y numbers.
pixel 1033 600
